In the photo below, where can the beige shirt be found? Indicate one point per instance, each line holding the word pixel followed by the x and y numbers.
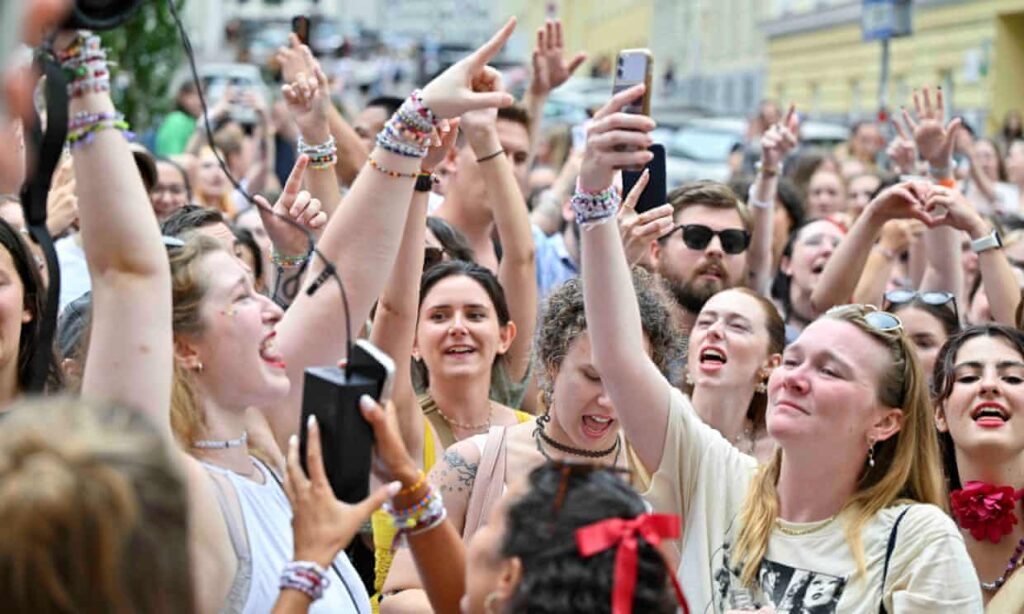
pixel 705 479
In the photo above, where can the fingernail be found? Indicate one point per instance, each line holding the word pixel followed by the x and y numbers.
pixel 311 421
pixel 393 488
pixel 366 402
pixel 293 440
pixel 646 172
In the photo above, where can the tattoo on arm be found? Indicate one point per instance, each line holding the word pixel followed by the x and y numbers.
pixel 456 474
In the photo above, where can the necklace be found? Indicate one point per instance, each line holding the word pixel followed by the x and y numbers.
pixel 748 432
pixel 1010 567
pixel 539 435
pixel 812 529
pixel 221 444
pixel 470 427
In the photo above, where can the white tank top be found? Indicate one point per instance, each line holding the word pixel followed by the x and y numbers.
pixel 267 515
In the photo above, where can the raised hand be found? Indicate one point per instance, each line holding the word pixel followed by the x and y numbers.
pixel 296 204
pixel 615 140
pixel 550 69
pixel 321 524
pixel 639 229
pixel 480 125
pixel 934 140
pixel 307 100
pixel 951 208
pixel 901 150
pixel 61 200
pixel 469 83
pixel 779 139
pixel 294 59
pixel 902 201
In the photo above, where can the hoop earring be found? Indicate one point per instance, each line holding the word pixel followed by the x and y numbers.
pixel 489 601
pixel 871 455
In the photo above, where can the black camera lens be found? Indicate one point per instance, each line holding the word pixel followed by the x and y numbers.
pixel 101 14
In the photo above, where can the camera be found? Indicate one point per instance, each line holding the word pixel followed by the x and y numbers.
pixel 101 14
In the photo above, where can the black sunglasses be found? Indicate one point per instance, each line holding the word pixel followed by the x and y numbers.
pixel 898 297
pixel 698 236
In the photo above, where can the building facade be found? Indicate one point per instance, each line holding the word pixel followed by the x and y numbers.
pixel 972 49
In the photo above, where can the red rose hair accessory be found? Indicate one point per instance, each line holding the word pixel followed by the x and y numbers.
pixel 620 533
pixel 986 510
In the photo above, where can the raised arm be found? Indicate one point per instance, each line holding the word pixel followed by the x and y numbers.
pixel 843 270
pixel 776 142
pixel 363 235
pixel 550 70
pixel 517 270
pixel 131 281
pixel 896 237
pixel 636 387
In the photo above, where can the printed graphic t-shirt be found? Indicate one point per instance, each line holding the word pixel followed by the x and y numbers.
pixel 703 477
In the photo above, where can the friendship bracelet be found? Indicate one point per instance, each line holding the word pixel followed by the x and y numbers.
pixel 490 156
pixel 754 202
pixel 414 487
pixel 595 208
pixel 429 524
pixel 390 173
pixel 288 262
pixel 420 515
pixel 328 147
pixel 90 126
pixel 305 577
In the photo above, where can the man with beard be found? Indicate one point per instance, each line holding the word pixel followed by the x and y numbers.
pixel 706 250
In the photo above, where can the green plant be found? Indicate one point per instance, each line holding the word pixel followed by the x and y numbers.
pixel 148 55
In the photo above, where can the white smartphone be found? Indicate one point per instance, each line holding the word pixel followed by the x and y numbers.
pixel 634 66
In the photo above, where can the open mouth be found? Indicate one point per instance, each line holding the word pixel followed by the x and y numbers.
pixel 819 267
pixel 269 353
pixel 596 426
pixel 990 415
pixel 459 350
pixel 711 359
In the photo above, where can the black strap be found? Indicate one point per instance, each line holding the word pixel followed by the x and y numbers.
pixel 888 555
pixel 49 147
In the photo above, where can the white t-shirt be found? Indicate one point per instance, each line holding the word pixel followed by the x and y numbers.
pixel 705 479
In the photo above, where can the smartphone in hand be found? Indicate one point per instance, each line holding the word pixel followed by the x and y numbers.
pixel 301 26
pixel 656 192
pixel 332 395
pixel 632 67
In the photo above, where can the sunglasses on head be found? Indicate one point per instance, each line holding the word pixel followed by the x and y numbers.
pixel 898 297
pixel 698 236
pixel 882 321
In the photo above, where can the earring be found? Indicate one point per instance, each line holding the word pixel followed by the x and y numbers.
pixel 871 455
pixel 199 367
pixel 489 602
pixel 688 379
pixel 761 387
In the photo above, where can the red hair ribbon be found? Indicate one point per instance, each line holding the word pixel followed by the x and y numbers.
pixel 621 533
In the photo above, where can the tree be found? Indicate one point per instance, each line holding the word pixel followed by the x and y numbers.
pixel 148 54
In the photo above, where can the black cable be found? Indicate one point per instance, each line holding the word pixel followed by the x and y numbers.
pixel 329 271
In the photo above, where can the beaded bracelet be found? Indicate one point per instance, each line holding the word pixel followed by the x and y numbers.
pixel 288 262
pixel 428 523
pixel 86 127
pixel 85 63
pixel 420 515
pixel 408 131
pixel 411 489
pixel 595 208
pixel 305 577
pixel 390 173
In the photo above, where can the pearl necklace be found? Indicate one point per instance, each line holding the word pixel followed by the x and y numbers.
pixel 221 444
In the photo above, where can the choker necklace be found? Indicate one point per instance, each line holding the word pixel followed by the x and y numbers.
pixel 470 427
pixel 221 444
pixel 748 432
pixel 539 435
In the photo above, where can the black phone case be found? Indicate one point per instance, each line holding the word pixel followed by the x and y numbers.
pixel 656 192
pixel 345 437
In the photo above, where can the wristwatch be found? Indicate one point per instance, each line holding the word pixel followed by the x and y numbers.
pixel 989 241
pixel 425 182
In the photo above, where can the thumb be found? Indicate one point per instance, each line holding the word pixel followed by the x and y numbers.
pixel 377 498
pixel 576 61
pixel 488 100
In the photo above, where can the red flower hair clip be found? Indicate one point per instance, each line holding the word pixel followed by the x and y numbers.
pixel 986 510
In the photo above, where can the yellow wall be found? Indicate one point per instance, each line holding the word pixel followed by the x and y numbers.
pixel 820 70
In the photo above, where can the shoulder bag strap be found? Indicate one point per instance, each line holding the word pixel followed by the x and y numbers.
pixel 888 555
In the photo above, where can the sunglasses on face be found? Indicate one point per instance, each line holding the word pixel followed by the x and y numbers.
pixel 882 321
pixel 898 297
pixel 698 236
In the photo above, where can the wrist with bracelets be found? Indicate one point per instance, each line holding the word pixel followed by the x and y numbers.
pixel 595 208
pixel 305 577
pixel 321 156
pixel 288 262
pixel 407 133
pixel 85 64
pixel 424 515
pixel 83 127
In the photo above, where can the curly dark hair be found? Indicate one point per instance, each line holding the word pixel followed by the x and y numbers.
pixel 556 578
pixel 564 320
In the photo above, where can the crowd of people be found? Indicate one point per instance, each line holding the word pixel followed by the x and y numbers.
pixel 792 392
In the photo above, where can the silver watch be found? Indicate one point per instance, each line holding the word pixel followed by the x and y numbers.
pixel 989 241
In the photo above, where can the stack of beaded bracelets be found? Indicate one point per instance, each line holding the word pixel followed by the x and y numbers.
pixel 288 263
pixel 591 208
pixel 426 514
pixel 305 577
pixel 408 131
pixel 83 126
pixel 85 63
pixel 321 156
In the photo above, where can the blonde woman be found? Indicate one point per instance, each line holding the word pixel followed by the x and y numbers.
pixel 848 513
